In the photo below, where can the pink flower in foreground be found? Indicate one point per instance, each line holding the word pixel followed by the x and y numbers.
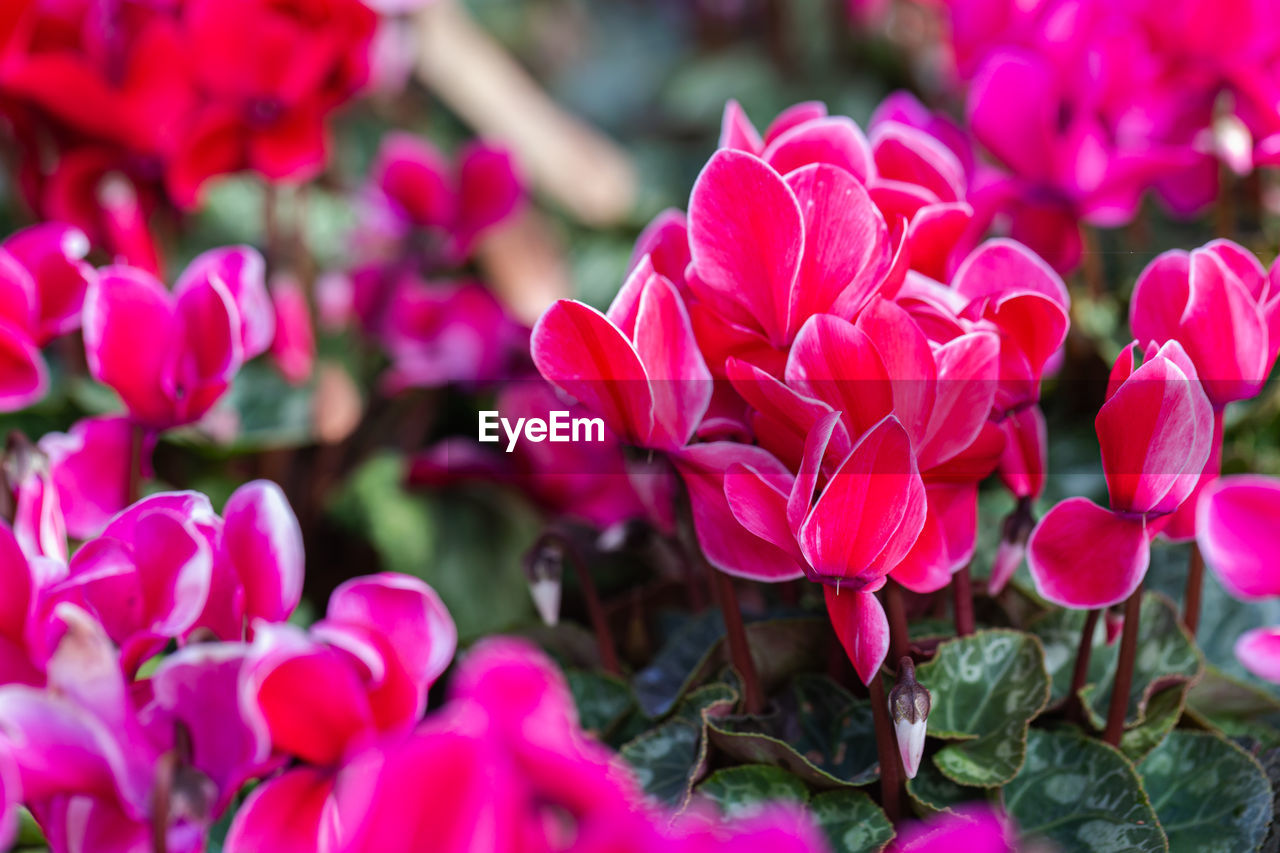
pixel 170 356
pixel 360 675
pixel 1235 529
pixel 293 347
pixel 1155 431
pixel 42 289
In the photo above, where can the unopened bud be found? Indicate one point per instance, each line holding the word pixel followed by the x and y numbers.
pixel 544 567
pixel 1013 546
pixel 909 703
pixel 1114 621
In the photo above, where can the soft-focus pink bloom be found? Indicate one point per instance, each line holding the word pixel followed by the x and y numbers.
pixel 638 366
pixel 439 333
pixel 10 797
pixel 414 187
pixel 293 348
pixel 1259 651
pixel 1155 431
pixel 89 466
pixel 973 829
pixel 361 675
pixel 42 289
pixel 24 580
pixel 170 356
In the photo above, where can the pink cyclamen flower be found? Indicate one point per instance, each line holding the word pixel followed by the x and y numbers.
pixel 360 676
pixel 89 468
pixel 1155 431
pixel 1223 307
pixel 1235 529
pixel 293 347
pixel 638 366
pixel 413 186
pixel 43 280
pixel 170 356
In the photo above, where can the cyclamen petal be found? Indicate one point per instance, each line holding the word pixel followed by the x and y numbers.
pixel 862 627
pixel 262 539
pixel 288 814
pixel 1259 651
pixel 53 254
pixel 1235 529
pixel 241 271
pixel 89 465
pixel 836 140
pixel 679 380
pixel 1084 556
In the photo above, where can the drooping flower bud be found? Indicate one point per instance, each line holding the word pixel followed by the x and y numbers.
pixel 909 703
pixel 544 568
pixel 1013 545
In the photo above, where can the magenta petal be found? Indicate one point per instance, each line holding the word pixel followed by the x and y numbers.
pixel 129 333
pixel 912 156
pixel 284 814
pixel 947 540
pixel 836 140
pixel 212 350
pixel 577 349
pixel 736 130
pixel 1000 267
pixel 18 585
pixel 834 361
pixel 726 544
pixel 10 797
pixel 1223 331
pixel 760 507
pixel 846 242
pixel 909 362
pixel 1024 460
pixel 53 254
pixel 871 511
pixel 24 379
pixel 746 236
pixel 1012 109
pixel 408 613
pixel 1159 298
pixel 793 116
pixel 90 468
pixel 1084 556
pixel 1235 529
pixel 678 376
pixel 626 305
pixel 262 539
pixel 862 627
pixel 488 189
pixel 968 372
pixel 1259 651
pixel 783 416
pixel 241 271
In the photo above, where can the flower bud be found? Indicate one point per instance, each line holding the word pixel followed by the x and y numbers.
pixel 544 568
pixel 909 703
pixel 1013 546
pixel 1114 620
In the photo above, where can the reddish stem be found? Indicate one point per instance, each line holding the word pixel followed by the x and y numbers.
pixel 886 751
pixel 595 610
pixel 962 598
pixel 899 639
pixel 739 649
pixel 1124 670
pixel 1195 585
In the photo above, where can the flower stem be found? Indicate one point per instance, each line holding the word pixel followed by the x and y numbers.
pixel 1124 669
pixel 1084 652
pixel 133 486
pixel 1195 584
pixel 962 598
pixel 899 641
pixel 595 610
pixel 739 649
pixel 886 751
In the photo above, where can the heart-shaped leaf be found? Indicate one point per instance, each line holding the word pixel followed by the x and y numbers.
pixel 932 792
pixel 1234 708
pixel 1211 795
pixel 852 822
pixel 1163 712
pixel 986 688
pixel 742 790
pixel 670 758
pixel 601 699
pixel 1083 796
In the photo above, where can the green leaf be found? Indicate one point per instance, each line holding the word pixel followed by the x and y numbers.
pixel 742 790
pixel 986 688
pixel 1234 708
pixel 852 822
pixel 602 699
pixel 1211 796
pixel 1165 656
pixel 1163 712
pixel 818 731
pixel 932 792
pixel 669 758
pixel 1082 795
pixel 1059 633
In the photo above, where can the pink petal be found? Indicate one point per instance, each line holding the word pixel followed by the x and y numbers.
pixel 678 376
pixel 416 177
pixel 1001 267
pixel 129 333
pixel 666 241
pixel 947 540
pixel 1235 529
pixel 488 189
pixel 833 361
pixel 19 586
pixel 284 814
pixel 746 237
pixel 1223 332
pixel 973 829
pixel 626 304
pixel 24 379
pixel 912 156
pixel 846 242
pixel 908 362
pixel 408 613
pixel 1159 298
pixel 90 468
pixel 1084 556
pixel 728 546
pixel 241 271
pixel 1259 651
pixel 816 445
pixel 968 371
pixel 793 116
pixel 294 346
pixel 736 130
pixel 934 232
pixel 760 507
pixel 1012 103
pixel 54 253
pixel 783 416
pixel 836 140
pixel 871 511
pixel 262 539
pixel 577 349
pixel 1024 462
pixel 862 627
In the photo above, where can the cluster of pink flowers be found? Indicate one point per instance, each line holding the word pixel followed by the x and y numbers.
pixel 120 107
pixel 829 407
pixel 113 745
pixel 1089 104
